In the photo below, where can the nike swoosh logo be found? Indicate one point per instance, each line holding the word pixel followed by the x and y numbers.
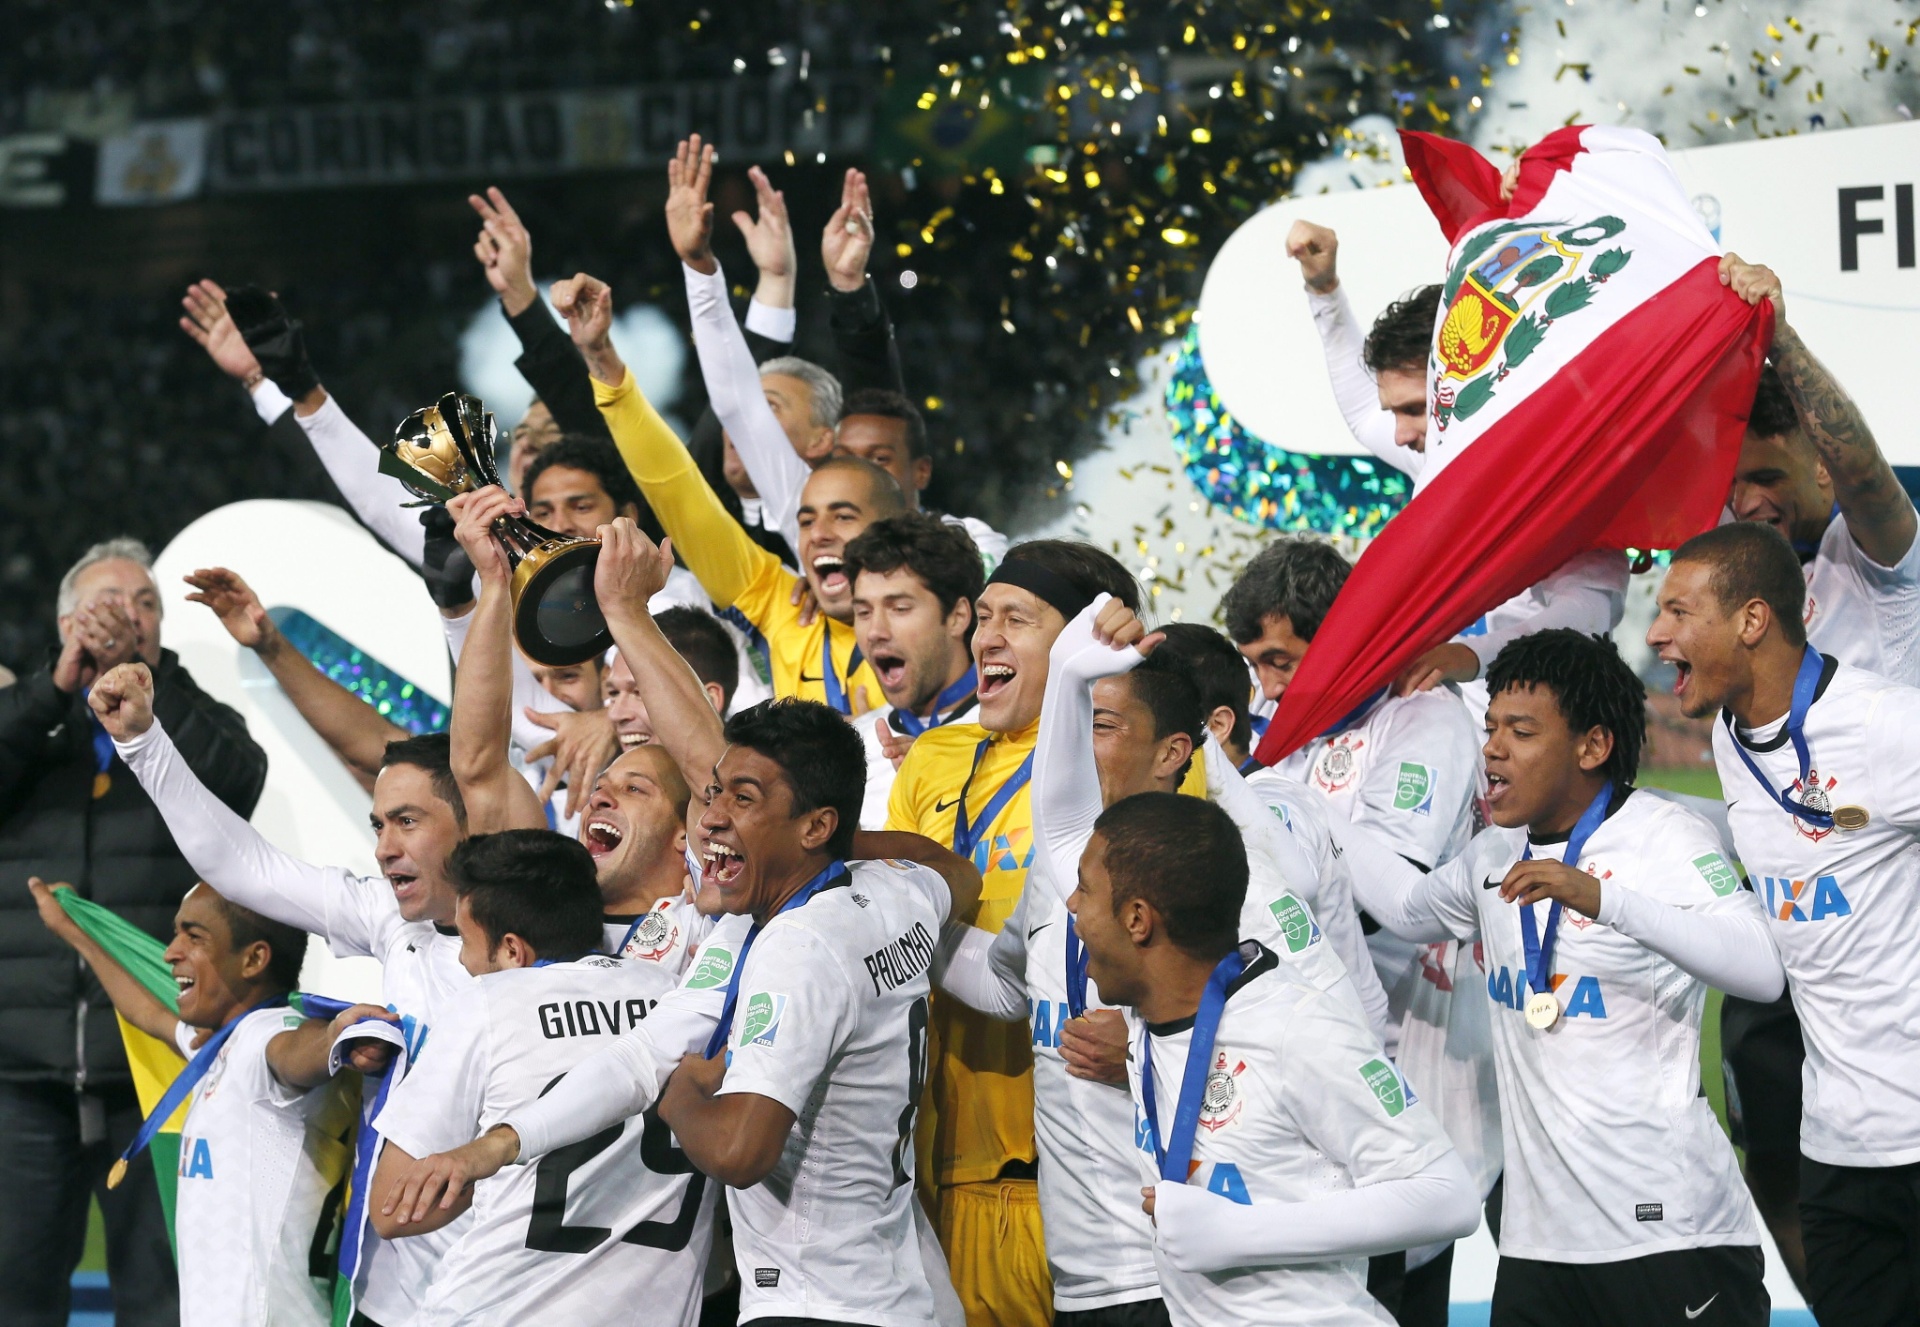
pixel 1694 1313
pixel 1035 930
pixel 805 678
pixel 1489 883
pixel 938 807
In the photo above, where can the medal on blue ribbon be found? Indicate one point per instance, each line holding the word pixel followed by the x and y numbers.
pixel 1176 1156
pixel 967 833
pixel 832 873
pixel 1811 806
pixel 1543 1006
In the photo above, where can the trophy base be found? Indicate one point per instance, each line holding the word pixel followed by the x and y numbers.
pixel 556 619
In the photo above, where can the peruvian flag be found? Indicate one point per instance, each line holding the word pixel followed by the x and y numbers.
pixel 1588 388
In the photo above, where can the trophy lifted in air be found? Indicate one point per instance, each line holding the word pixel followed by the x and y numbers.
pixel 447 449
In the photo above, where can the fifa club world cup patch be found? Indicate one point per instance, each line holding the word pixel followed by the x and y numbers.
pixel 711 969
pixel 760 1024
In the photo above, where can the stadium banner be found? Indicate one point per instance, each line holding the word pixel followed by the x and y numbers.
pixel 1589 385
pixel 157 161
pixel 533 133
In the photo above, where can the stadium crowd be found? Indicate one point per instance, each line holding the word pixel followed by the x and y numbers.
pixel 895 927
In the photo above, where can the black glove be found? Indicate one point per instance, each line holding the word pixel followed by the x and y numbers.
pixel 444 565
pixel 274 338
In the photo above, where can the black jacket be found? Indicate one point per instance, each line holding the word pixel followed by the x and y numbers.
pixel 55 1021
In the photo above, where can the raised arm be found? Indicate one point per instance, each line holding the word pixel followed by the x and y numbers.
pixel 862 332
pixel 547 360
pixel 1880 515
pixel 353 728
pixel 1066 784
pixel 481 729
pixel 133 1001
pixel 631 570
pixel 1316 249
pixel 223 849
pixel 727 365
pixel 716 549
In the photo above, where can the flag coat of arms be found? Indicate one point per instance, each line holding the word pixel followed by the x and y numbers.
pixel 1588 387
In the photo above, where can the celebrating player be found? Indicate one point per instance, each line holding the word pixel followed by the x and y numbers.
pixel 1623 1201
pixel 915 580
pixel 403 917
pixel 967 784
pixel 1278 1144
pixel 573 1237
pixel 259 1158
pixel 1816 757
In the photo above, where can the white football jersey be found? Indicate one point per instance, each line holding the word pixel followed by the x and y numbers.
pixel 1099 1241
pixel 1322 881
pixel 1612 1151
pixel 257 1161
pixel 831 1021
pixel 660 939
pixel 1409 770
pixel 880 770
pixel 1300 1101
pixel 1861 613
pixel 422 980
pixel 572 1237
pixel 1844 908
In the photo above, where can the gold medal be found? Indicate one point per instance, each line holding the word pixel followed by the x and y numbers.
pixel 1850 817
pixel 101 782
pixel 1543 1010
pixel 118 1173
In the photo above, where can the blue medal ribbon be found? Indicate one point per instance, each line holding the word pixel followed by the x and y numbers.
pixel 1540 954
pixel 912 725
pixel 829 875
pixel 182 1087
pixel 836 689
pixel 968 833
pixel 1805 683
pixel 1076 971
pixel 1352 716
pixel 1176 1157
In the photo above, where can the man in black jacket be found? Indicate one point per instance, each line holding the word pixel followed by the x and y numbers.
pixel 70 811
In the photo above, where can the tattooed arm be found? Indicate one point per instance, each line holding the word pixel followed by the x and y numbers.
pixel 1879 514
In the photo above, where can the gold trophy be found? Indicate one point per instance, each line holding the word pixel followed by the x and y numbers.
pixel 447 449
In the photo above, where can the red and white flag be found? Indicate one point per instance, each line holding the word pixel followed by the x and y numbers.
pixel 1588 387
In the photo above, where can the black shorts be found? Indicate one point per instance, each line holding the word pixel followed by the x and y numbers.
pixel 1861 1229
pixel 1134 1313
pixel 1761 1053
pixel 1714 1287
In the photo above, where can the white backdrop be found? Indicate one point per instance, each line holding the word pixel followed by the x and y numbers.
pixel 314 557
